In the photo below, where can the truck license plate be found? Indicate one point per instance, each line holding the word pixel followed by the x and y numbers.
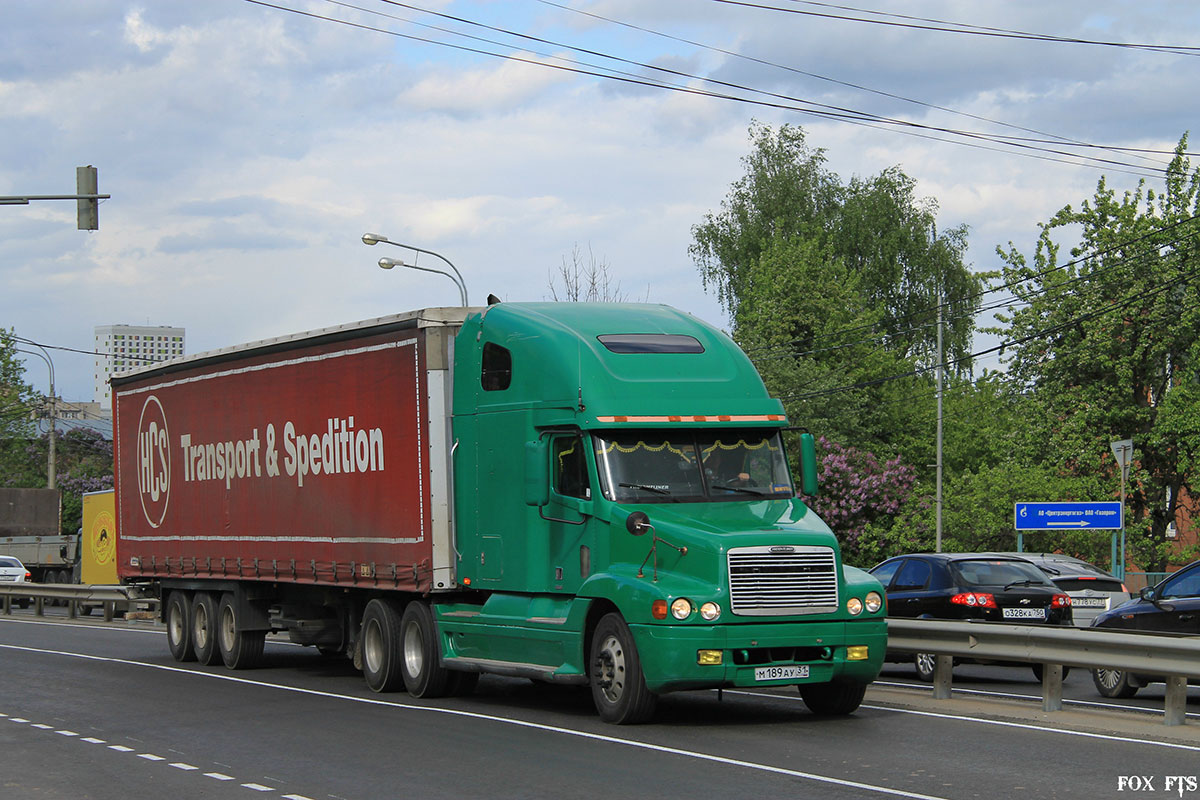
pixel 1024 613
pixel 781 673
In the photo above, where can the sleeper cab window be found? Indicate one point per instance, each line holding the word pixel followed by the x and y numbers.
pixel 497 368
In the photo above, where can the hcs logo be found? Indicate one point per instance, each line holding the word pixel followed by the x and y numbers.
pixel 153 461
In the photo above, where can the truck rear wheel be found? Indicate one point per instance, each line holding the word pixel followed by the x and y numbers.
pixel 239 649
pixel 424 675
pixel 204 628
pixel 832 699
pixel 179 626
pixel 618 686
pixel 381 654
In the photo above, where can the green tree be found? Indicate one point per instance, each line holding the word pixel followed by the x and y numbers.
pixel 1108 344
pixel 832 289
pixel 17 398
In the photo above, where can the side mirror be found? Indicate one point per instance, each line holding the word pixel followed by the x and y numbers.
pixel 537 474
pixel 1147 593
pixel 808 465
pixel 638 523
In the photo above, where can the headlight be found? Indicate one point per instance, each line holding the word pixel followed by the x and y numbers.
pixel 874 602
pixel 681 608
pixel 854 606
pixel 710 611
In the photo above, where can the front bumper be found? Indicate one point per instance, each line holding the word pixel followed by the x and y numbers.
pixel 670 662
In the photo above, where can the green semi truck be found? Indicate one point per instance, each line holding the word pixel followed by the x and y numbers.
pixel 576 493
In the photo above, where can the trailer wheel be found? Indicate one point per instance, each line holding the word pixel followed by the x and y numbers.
pixel 204 628
pixel 832 699
pixel 618 686
pixel 179 627
pixel 239 649
pixel 381 655
pixel 424 675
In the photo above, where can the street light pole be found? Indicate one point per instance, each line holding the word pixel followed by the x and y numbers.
pixel 50 465
pixel 1123 452
pixel 375 238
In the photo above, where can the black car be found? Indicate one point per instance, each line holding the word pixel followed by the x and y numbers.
pixel 1172 606
pixel 970 586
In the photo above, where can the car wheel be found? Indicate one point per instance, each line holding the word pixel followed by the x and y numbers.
pixel 1113 683
pixel 925 663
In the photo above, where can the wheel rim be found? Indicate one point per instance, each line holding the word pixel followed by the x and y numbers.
pixel 176 624
pixel 926 662
pixel 200 631
pixel 373 646
pixel 610 669
pixel 414 652
pixel 1109 678
pixel 228 629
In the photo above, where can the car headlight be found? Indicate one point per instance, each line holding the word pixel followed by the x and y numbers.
pixel 854 606
pixel 681 608
pixel 710 611
pixel 874 602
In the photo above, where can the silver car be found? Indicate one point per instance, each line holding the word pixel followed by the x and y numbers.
pixel 1092 590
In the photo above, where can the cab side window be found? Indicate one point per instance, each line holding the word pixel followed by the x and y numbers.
pixel 570 467
pixel 497 368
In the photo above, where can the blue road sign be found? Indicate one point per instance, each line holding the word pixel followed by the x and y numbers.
pixel 1067 516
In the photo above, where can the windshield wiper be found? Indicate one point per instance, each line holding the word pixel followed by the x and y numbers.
pixel 1026 582
pixel 745 489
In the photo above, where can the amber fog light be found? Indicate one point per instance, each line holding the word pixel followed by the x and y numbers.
pixel 681 608
pixel 709 658
pixel 858 652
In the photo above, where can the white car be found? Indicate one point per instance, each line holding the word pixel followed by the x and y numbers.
pixel 12 570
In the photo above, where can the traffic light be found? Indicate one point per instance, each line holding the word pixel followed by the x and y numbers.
pixel 89 208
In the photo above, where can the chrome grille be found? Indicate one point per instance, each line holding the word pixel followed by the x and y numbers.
pixel 775 580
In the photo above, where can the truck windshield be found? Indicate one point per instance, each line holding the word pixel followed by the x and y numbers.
pixel 657 466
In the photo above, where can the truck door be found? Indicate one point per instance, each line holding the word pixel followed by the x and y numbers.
pixel 569 512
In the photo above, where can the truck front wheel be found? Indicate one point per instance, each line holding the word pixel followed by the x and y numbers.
pixel 424 675
pixel 204 628
pixel 380 641
pixel 618 686
pixel 239 649
pixel 832 699
pixel 179 627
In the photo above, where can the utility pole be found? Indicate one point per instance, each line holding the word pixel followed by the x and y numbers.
pixel 88 216
pixel 941 363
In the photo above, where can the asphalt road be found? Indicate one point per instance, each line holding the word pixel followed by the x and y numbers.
pixel 99 711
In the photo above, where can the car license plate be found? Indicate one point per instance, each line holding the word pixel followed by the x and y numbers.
pixel 781 673
pixel 1089 602
pixel 1024 613
pixel 8 577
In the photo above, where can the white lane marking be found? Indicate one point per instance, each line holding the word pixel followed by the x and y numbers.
pixel 17 719
pixel 151 757
pixel 92 740
pixel 257 787
pixel 295 797
pixel 66 733
pixel 42 726
pixel 1001 723
pixel 220 776
pixel 120 748
pixel 657 748
pixel 183 766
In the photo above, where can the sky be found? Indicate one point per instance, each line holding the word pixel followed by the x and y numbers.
pixel 247 147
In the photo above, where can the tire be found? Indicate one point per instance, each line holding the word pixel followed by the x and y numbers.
pixel 1037 671
pixel 618 686
pixel 833 699
pixel 421 665
pixel 49 578
pixel 239 649
pixel 1113 683
pixel 380 642
pixel 179 626
pixel 204 628
pixel 925 663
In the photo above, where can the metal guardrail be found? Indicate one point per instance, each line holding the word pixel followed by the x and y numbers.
pixel 79 598
pixel 1175 658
